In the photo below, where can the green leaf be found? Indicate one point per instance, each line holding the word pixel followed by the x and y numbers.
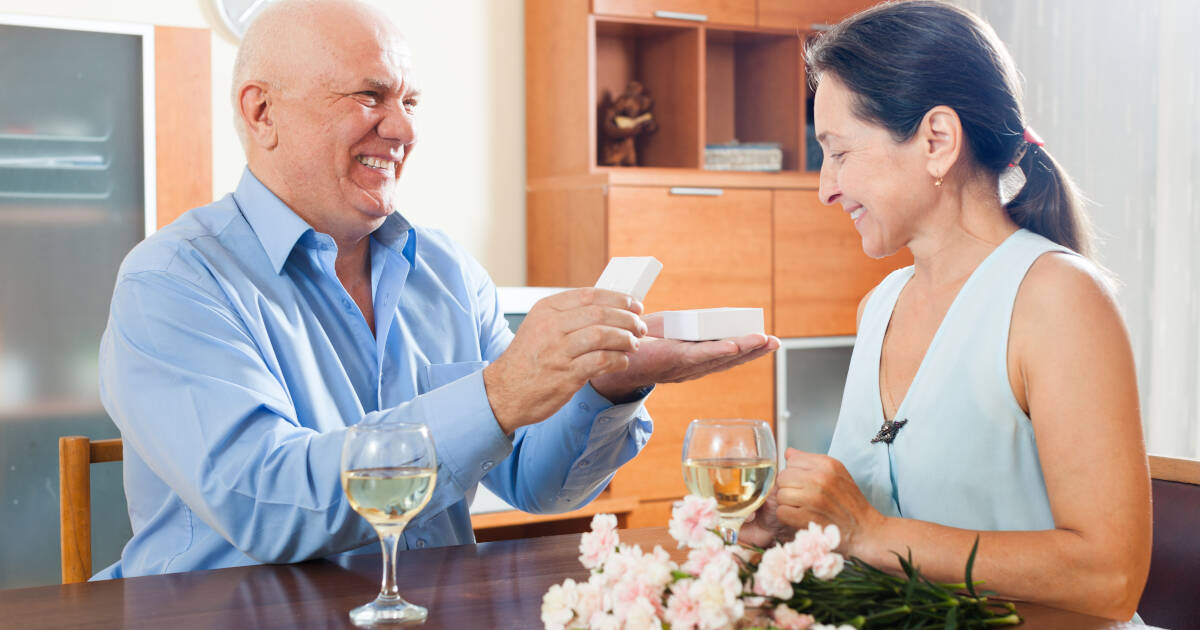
pixel 970 566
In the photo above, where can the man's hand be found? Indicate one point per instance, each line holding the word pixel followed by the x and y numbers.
pixel 565 340
pixel 660 360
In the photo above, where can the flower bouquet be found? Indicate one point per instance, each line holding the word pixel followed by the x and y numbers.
pixel 802 584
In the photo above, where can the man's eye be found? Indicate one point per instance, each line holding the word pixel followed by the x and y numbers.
pixel 368 96
pixel 410 103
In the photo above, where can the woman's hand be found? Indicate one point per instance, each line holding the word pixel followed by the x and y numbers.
pixel 817 488
pixel 763 527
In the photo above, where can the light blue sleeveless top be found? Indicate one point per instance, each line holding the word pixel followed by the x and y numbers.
pixel 967 457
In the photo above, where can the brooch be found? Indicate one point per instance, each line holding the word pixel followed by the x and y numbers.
pixel 888 431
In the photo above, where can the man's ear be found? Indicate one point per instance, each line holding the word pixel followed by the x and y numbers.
pixel 941 140
pixel 254 106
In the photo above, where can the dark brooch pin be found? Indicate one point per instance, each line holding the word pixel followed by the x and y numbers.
pixel 888 431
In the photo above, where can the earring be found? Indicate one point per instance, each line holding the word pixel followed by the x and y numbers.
pixel 937 183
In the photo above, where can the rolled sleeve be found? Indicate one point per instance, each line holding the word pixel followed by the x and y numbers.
pixel 562 463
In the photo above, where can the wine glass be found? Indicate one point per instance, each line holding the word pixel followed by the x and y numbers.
pixel 732 461
pixel 388 473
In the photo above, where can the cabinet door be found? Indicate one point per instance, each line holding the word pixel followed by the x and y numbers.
pixel 739 12
pixel 821 272
pixel 806 14
pixel 715 251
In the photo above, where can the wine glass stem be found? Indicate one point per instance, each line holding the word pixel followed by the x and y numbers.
pixel 389 541
pixel 729 529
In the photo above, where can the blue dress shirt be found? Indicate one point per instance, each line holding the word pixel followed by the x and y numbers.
pixel 234 360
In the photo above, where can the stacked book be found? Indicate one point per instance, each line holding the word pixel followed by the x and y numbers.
pixel 758 156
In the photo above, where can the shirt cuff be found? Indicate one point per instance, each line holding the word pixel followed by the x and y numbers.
pixel 468 438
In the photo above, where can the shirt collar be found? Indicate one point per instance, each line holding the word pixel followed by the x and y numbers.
pixel 279 228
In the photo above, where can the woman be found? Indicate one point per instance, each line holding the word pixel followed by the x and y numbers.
pixel 992 392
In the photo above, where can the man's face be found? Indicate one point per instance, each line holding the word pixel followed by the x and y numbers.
pixel 345 121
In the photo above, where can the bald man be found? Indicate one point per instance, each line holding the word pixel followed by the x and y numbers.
pixel 247 335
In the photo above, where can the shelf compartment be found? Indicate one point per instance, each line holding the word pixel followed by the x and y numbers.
pixel 666 61
pixel 754 90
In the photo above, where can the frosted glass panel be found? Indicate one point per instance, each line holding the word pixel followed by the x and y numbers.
pixel 71 206
pixel 812 394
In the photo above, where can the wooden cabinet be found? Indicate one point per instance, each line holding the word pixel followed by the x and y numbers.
pixel 740 12
pixel 724 238
pixel 821 272
pixel 806 15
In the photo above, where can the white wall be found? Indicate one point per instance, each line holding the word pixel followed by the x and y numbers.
pixel 468 173
pixel 1113 91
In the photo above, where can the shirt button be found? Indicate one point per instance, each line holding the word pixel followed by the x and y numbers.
pixel 420 543
pixel 584 463
pixel 604 420
pixel 486 466
pixel 347 304
pixel 584 407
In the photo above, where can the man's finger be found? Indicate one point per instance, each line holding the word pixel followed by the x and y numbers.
pixel 599 338
pixel 588 296
pixel 593 315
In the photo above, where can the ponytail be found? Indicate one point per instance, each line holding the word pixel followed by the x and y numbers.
pixel 1050 204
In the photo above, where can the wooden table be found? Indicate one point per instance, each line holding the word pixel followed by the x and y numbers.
pixel 489 585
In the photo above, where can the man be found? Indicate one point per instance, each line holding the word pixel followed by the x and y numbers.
pixel 245 337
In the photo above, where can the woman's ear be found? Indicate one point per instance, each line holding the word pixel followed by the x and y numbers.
pixel 941 140
pixel 254 107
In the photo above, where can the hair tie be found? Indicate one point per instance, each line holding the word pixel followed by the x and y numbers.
pixel 1032 138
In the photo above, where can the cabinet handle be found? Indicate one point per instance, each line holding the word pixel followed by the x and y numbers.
pixel 697 192
pixel 676 15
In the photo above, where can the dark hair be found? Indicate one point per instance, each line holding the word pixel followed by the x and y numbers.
pixel 901 59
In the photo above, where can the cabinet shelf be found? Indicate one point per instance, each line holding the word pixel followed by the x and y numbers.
pixel 649 176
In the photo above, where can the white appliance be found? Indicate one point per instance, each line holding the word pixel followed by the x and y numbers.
pixel 810 376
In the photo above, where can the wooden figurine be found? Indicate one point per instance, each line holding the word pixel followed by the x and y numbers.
pixel 622 121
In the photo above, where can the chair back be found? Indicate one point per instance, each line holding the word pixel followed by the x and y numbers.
pixel 76 454
pixel 1172 595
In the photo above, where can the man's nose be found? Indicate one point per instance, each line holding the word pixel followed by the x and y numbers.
pixel 398 124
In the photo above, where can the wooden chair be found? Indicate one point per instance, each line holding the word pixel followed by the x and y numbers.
pixel 1172 595
pixel 76 454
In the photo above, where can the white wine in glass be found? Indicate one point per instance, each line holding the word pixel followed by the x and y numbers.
pixel 389 470
pixel 732 461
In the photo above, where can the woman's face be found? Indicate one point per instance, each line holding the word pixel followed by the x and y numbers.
pixel 883 186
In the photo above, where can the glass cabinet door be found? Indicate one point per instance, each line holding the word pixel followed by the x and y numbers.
pixel 74 171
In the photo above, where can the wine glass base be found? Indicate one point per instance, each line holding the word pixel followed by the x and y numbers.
pixel 388 611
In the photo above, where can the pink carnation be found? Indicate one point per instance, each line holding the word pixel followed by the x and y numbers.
pixel 693 520
pixel 683 610
pixel 788 619
pixel 596 546
pixel 828 566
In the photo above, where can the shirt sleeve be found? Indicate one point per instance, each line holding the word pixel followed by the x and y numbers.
pixel 562 463
pixel 203 406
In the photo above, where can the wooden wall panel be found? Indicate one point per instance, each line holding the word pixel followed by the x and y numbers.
pixel 821 272
pixel 716 251
pixel 746 391
pixel 565 236
pixel 803 15
pixel 740 12
pixel 183 119
pixel 559 94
